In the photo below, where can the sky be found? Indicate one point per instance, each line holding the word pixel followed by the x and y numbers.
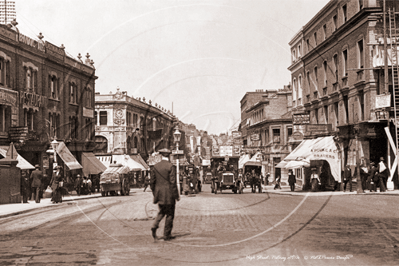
pixel 195 57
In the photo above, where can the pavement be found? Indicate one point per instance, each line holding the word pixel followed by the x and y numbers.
pixel 7 210
pixel 285 190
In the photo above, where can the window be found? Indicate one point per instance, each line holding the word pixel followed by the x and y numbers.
pixel 344 13
pixel 361 102
pixel 103 118
pixel 289 133
pixel 335 60
pixel 267 136
pixel 54 86
pixel 300 90
pixel 73 127
pixel 316 116
pixel 360 5
pixel 276 135
pixel 336 112
pixel 294 90
pixel 345 99
pixel 30 79
pixel 4 72
pixel 135 120
pixel 360 54
pixel 307 45
pixel 293 56
pixel 315 39
pixel 72 92
pixel 315 78
pixel 29 117
pixel 325 73
pixel 88 97
pixel 345 63
pixel 96 117
pixel 324 32
pixel 89 130
pixel 308 80
pixel 5 118
pixel 299 51
pixel 335 23
pixel 326 113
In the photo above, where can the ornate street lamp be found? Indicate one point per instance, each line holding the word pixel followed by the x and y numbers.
pixel 177 136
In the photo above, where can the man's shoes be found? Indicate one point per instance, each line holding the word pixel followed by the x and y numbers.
pixel 168 238
pixel 154 233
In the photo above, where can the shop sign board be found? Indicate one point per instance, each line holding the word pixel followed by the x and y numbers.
pixel 226 151
pixel 300 119
pixel 383 100
pixel 236 134
pixel 88 112
pixel 315 128
pixel 31 100
pixel 18 133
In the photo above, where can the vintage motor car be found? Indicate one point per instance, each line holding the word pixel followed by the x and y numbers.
pixel 229 182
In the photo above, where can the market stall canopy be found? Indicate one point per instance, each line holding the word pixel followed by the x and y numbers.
pixel 91 165
pixel 127 161
pixel 22 163
pixel 111 174
pixel 243 159
pixel 322 148
pixel 252 163
pixel 140 160
pixel 64 153
pixel 297 164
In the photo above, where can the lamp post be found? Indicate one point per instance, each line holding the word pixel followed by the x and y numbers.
pixel 177 136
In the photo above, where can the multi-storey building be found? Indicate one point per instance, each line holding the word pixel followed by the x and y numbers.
pixel 127 125
pixel 44 95
pixel 337 74
pixel 266 126
pixel 7 11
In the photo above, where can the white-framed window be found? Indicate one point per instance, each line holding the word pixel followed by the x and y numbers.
pixel 324 32
pixel 335 61
pixel 299 90
pixel 316 81
pixel 30 79
pixel 294 88
pixel 315 38
pixel 325 73
pixel 54 87
pixel 276 135
pixel 344 13
pixel 88 95
pixel 334 22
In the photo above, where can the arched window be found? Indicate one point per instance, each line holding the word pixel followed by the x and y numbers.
pixel 101 145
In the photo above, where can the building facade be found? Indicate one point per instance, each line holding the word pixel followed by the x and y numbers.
pixel 266 126
pixel 44 95
pixel 127 125
pixel 337 73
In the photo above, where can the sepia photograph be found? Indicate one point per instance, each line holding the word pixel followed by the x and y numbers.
pixel 199 132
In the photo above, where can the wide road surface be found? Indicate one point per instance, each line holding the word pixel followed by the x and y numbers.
pixel 226 229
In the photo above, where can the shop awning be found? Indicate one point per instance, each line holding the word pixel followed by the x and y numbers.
pixel 296 164
pixel 322 148
pixel 127 161
pixel 22 163
pixel 243 159
pixel 67 157
pixel 91 165
pixel 141 161
pixel 252 163
pixel 105 159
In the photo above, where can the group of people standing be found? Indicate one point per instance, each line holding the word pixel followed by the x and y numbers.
pixel 372 176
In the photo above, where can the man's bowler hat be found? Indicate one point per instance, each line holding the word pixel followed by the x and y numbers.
pixel 165 151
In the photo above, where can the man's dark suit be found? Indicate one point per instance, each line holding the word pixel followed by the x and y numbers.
pixel 36 177
pixel 164 188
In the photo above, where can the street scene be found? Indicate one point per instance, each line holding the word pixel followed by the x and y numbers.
pixel 193 132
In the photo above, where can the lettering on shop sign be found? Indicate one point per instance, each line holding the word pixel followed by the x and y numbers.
pixel 9 34
pixel 30 42
pixel 300 119
pixel 18 133
pixel 31 100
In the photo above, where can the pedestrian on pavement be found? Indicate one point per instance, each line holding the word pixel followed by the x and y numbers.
pixel 383 173
pixel 364 173
pixel 372 177
pixel 315 180
pixel 36 177
pixel 164 189
pixel 278 180
pixel 25 187
pixel 253 181
pixel 89 183
pixel 291 180
pixel 78 184
pixel 56 185
pixel 146 182
pixel 348 177
pixel 267 179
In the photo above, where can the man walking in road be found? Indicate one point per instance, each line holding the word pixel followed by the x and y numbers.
pixel 36 177
pixel 291 180
pixel 164 188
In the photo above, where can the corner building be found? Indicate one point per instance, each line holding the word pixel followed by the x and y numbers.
pixel 337 73
pixel 44 95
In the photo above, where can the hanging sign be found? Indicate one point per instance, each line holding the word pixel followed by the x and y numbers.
pixel 383 100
